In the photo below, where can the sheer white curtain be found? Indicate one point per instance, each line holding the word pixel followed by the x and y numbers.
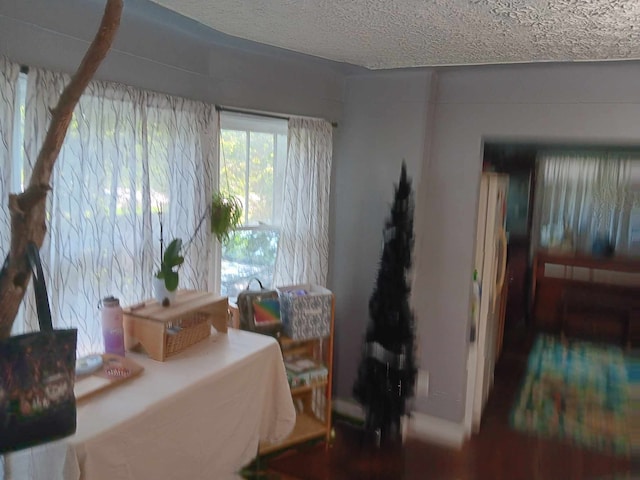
pixel 8 83
pixel 127 152
pixel 584 195
pixel 303 249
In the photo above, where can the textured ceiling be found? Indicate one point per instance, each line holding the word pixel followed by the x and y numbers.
pixel 411 33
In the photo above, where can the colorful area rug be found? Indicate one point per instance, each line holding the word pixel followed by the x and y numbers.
pixel 581 392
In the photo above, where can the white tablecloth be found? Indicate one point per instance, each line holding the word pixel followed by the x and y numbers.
pixel 199 415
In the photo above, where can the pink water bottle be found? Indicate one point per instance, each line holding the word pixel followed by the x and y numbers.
pixel 112 328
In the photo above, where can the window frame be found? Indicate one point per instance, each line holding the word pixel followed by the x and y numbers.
pixel 249 124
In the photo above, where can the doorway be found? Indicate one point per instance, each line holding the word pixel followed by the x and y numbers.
pixel 519 162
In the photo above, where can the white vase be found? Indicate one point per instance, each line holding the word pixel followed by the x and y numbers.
pixel 160 291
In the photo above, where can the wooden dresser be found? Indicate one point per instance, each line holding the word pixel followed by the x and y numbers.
pixel 585 296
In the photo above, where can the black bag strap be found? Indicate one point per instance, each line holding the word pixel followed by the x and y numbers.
pixel 257 280
pixel 40 288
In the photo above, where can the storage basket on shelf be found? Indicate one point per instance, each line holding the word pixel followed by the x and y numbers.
pixel 305 311
pixel 187 330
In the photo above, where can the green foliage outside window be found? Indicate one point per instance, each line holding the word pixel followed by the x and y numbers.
pixel 249 162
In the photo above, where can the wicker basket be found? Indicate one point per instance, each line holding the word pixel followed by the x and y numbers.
pixel 186 331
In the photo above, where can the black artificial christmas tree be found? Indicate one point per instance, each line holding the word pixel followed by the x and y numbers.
pixel 387 371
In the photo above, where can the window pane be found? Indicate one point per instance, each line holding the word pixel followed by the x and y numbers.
pixel 260 199
pixel 253 152
pixel 17 179
pixel 233 164
pixel 248 254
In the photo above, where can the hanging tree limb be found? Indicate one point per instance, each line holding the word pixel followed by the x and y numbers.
pixel 27 209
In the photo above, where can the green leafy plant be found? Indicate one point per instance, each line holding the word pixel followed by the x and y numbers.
pixel 226 215
pixel 171 260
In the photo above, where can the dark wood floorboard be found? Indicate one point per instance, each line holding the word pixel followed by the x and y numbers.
pixel 497 452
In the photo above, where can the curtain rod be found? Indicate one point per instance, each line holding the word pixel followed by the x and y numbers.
pixel 220 108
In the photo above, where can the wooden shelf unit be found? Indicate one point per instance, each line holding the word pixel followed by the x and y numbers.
pixel 582 295
pixel 312 402
pixel 305 388
pixel 307 427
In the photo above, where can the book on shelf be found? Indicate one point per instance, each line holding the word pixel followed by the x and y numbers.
pixel 303 371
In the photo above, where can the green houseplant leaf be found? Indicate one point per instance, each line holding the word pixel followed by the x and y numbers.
pixel 171 280
pixel 170 260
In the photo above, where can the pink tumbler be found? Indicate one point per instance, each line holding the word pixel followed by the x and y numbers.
pixel 112 328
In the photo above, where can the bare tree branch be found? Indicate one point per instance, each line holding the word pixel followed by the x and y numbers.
pixel 27 209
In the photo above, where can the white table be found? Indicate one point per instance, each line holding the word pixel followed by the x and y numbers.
pixel 199 415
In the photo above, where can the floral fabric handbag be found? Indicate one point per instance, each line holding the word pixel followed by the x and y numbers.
pixel 37 375
pixel 259 310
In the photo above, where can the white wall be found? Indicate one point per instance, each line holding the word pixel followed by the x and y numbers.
pixel 585 103
pixel 384 122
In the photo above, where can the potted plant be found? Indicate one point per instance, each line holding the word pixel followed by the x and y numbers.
pixel 226 215
pixel 165 282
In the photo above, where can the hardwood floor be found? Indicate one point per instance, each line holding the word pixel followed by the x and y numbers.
pixel 497 452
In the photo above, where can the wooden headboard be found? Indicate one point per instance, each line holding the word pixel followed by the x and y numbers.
pixel 557 273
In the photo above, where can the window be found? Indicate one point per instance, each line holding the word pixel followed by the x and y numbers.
pixel 16 167
pixel 252 157
pixel 585 200
pixel 17 172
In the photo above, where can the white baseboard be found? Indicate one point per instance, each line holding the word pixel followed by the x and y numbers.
pixel 419 425
pixel 436 430
pixel 348 408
